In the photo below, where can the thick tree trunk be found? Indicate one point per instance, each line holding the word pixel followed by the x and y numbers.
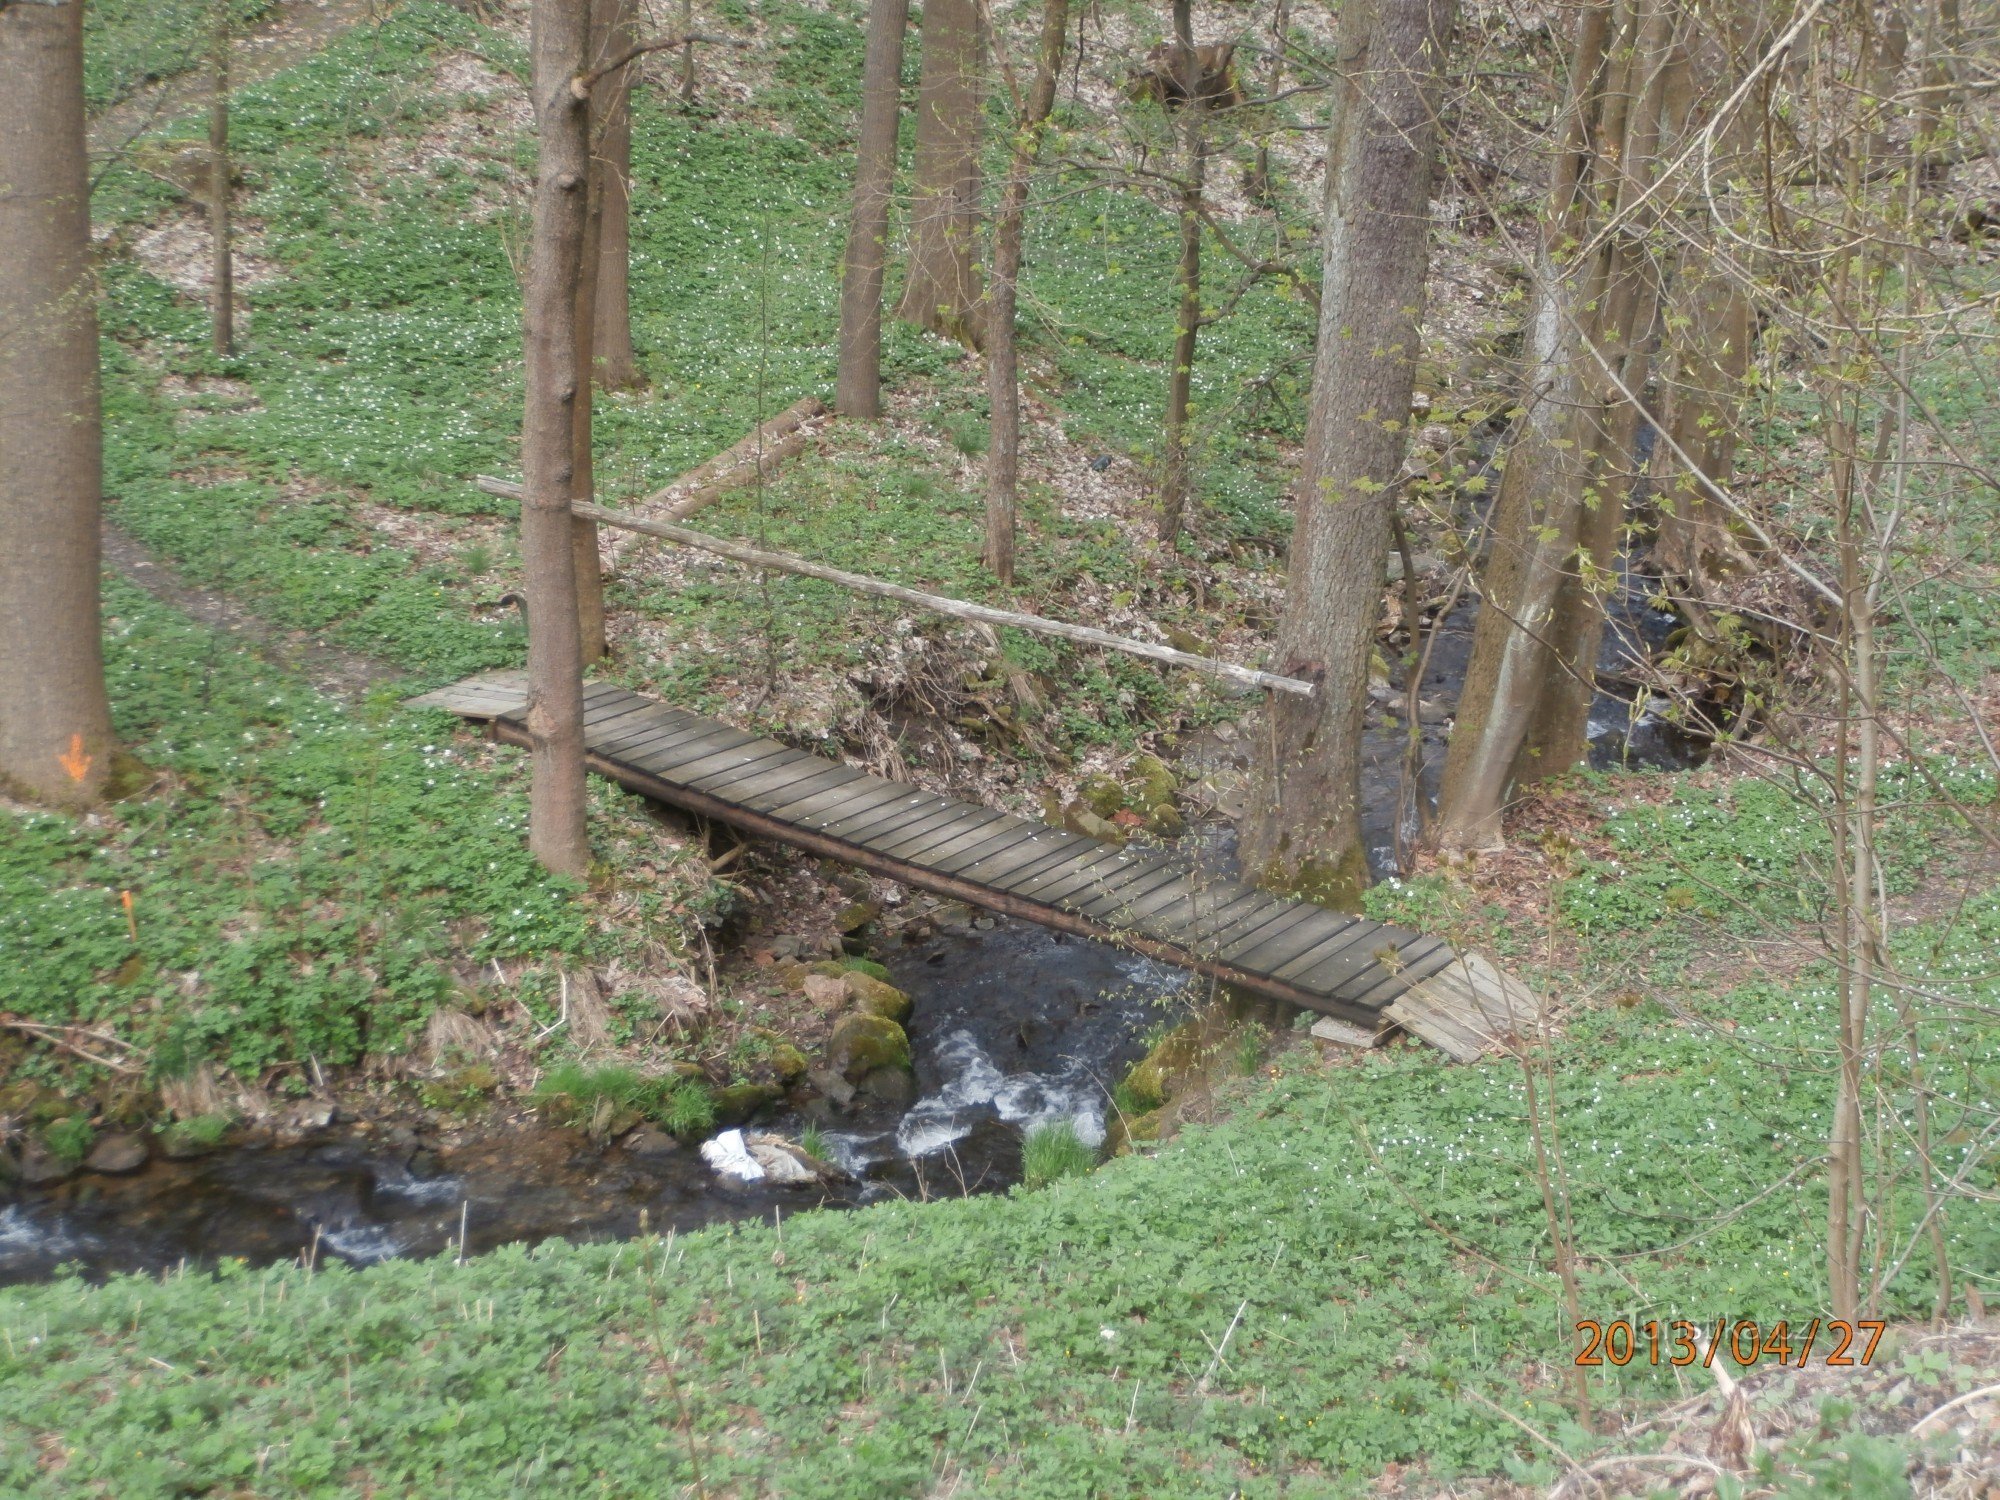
pixel 1303 834
pixel 1524 710
pixel 1175 476
pixel 1003 379
pixel 858 385
pixel 557 835
pixel 614 366
pixel 941 292
pixel 222 289
pixel 55 723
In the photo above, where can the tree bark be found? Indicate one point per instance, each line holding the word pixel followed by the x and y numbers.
pixel 559 42
pixel 1003 379
pixel 55 721
pixel 222 290
pixel 858 385
pixel 591 641
pixel 1524 710
pixel 1175 478
pixel 941 292
pixel 615 366
pixel 1303 834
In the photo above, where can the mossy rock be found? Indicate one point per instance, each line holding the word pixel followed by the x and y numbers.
pixel 1080 819
pixel 1123 1130
pixel 872 997
pixel 741 1101
pixel 1152 1078
pixel 1166 822
pixel 1103 796
pixel 788 1062
pixel 855 916
pixel 196 1137
pixel 862 1043
pixel 866 966
pixel 1154 785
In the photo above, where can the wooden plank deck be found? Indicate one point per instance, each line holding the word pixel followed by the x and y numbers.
pixel 1367 974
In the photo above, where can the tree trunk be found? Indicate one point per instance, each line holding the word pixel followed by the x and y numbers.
pixel 557 835
pixel 1303 834
pixel 614 365
pixel 55 722
pixel 1175 478
pixel 1003 382
pixel 858 386
pixel 222 289
pixel 941 292
pixel 583 476
pixel 1523 712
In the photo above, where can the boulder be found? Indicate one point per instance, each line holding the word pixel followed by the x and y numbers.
pixel 1102 795
pixel 855 916
pixel 862 1043
pixel 1153 784
pixel 872 997
pixel 117 1153
pixel 825 992
pixel 650 1143
pixel 740 1101
pixel 1080 819
pixel 832 1085
pixel 894 1086
pixel 40 1166
pixel 788 1062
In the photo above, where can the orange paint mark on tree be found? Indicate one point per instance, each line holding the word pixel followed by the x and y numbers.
pixel 74 760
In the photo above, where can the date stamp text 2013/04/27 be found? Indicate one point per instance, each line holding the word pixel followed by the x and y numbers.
pixel 1838 1341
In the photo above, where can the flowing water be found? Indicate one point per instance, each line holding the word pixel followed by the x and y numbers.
pixel 1013 1026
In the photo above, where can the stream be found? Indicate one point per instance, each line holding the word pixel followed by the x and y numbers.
pixel 1012 1026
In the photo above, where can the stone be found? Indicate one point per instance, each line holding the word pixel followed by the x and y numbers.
pixel 862 1043
pixel 784 1162
pixel 739 1101
pixel 1166 822
pixel 116 1154
pixel 855 916
pixel 824 991
pixel 1102 795
pixel 650 1143
pixel 41 1166
pixel 894 1086
pixel 1082 820
pixel 1154 784
pixel 786 945
pixel 831 1085
pixel 872 997
pixel 788 1062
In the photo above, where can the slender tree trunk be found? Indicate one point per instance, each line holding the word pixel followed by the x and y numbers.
pixel 941 292
pixel 1303 834
pixel 1003 381
pixel 583 478
pixel 687 55
pixel 615 367
pixel 55 722
pixel 1524 709
pixel 1175 478
pixel 858 385
pixel 559 43
pixel 222 291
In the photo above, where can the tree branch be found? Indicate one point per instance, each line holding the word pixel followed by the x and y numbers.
pixel 583 83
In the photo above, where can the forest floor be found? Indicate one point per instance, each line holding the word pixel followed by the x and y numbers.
pixel 1334 1278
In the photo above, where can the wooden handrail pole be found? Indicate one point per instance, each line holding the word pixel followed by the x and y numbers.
pixel 957 609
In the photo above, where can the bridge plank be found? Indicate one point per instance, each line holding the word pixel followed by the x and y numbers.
pixel 1161 905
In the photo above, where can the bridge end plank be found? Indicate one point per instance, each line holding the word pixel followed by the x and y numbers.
pixel 1467 1008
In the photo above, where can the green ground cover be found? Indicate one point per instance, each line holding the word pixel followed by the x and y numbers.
pixel 309 881
pixel 1374 1231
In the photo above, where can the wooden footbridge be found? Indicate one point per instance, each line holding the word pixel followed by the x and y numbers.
pixel 1367 977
